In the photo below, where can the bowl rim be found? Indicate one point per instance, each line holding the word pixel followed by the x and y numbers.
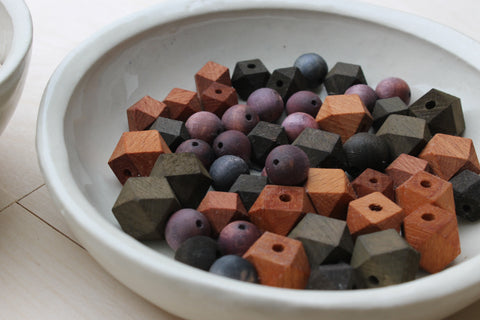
pixel 53 156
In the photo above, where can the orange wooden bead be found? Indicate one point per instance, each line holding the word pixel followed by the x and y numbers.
pixel 280 261
pixel 447 155
pixel 182 103
pixel 373 212
pixel 217 98
pixel 136 153
pixel 330 192
pixel 433 232
pixel 423 188
pixel 371 181
pixel 212 72
pixel 221 208
pixel 344 115
pixel 404 166
pixel 279 208
pixel 144 112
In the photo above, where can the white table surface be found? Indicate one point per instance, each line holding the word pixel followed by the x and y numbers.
pixel 44 272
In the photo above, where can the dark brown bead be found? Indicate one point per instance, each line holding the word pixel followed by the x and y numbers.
pixel 200 148
pixel 393 87
pixel 287 165
pixel 240 117
pixel 205 126
pixel 296 122
pixel 232 142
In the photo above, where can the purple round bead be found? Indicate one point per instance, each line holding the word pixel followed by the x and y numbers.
pixel 366 94
pixel 267 103
pixel 200 148
pixel 393 87
pixel 184 224
pixel 204 125
pixel 296 122
pixel 240 117
pixel 287 165
pixel 237 236
pixel 304 101
pixel 232 142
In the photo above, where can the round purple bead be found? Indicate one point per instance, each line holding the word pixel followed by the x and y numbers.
pixel 393 87
pixel 204 125
pixel 304 101
pixel 232 142
pixel 267 103
pixel 296 122
pixel 287 165
pixel 237 236
pixel 240 117
pixel 200 148
pixel 366 94
pixel 184 224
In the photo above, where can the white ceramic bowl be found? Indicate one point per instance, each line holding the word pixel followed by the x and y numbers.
pixel 15 44
pixel 82 116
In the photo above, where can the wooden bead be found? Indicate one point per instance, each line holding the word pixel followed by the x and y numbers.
pixel 344 115
pixel 182 103
pixel 434 233
pixel 373 212
pixel 248 188
pixel 287 165
pixel 342 76
pixel 144 112
pixel 264 138
pixel 404 166
pixel 235 267
pixel 279 208
pixel 232 142
pixel 237 237
pixel 279 261
pixel 325 240
pixel 187 176
pixel 200 148
pixel 240 117
pixel 136 153
pixel 466 192
pixel 442 111
pixel 287 81
pixel 217 98
pixel 384 258
pixel 423 188
pixel 211 72
pixel 221 208
pixel 448 155
pixel 340 276
pixel 248 76
pixel 172 131
pixel 385 107
pixel 373 181
pixel 143 207
pixel 330 192
pixel 393 87
pixel 199 252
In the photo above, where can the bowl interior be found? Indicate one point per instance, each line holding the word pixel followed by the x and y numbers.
pixel 6 33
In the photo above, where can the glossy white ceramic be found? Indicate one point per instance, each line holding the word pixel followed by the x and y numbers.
pixel 15 44
pixel 82 116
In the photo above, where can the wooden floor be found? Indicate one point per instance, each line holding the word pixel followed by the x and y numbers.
pixel 44 272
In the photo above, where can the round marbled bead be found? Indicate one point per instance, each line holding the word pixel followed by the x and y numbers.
pixel 240 117
pixel 393 87
pixel 199 252
pixel 313 67
pixel 237 236
pixel 233 142
pixel 366 94
pixel 267 103
pixel 296 122
pixel 204 125
pixel 200 148
pixel 225 170
pixel 235 267
pixel 304 101
pixel 183 224
pixel 287 165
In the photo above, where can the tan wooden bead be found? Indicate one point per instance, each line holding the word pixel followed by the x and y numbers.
pixel 433 232
pixel 279 208
pixel 373 212
pixel 182 103
pixel 212 72
pixel 144 112
pixel 280 261
pixel 330 192
pixel 371 181
pixel 423 188
pixel 217 98
pixel 447 155
pixel 344 115
pixel 404 166
pixel 136 153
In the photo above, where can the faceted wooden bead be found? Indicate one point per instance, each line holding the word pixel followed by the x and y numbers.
pixel 209 73
pixel 199 251
pixel 136 153
pixel 385 107
pixel 373 181
pixel 144 206
pixel 433 231
pixel 339 276
pixel 384 258
pixel 287 81
pixel 372 213
pixel 404 166
pixel 144 112
pixel 249 188
pixel 448 155
pixel 366 94
pixel 325 240
pixel 279 208
pixel 279 261
pixel 248 76
pixel 217 98
pixel 422 188
pixel 330 192
pixel 172 131
pixel 342 76
pixel 442 111
pixel 221 208
pixel 404 134
pixel 466 192
pixel 344 115
pixel 182 103
pixel 264 138
pixel 186 175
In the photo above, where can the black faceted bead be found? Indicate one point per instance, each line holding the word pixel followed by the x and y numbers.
pixel 249 188
pixel 339 276
pixel 248 76
pixel 342 76
pixel 235 267
pixel 385 107
pixel 172 131
pixel 264 138
pixel 199 252
pixel 466 191
pixel 366 150
pixel 313 67
pixel 287 81
pixel 225 171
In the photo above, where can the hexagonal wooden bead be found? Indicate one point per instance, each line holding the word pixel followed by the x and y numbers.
pixel 248 76
pixel 373 212
pixel 385 107
pixel 172 131
pixel 144 112
pixel 143 207
pixel 221 208
pixel 344 115
pixel 466 192
pixel 136 153
pixel 404 166
pixel 342 76
pixel 182 103
pixel 373 181
pixel 433 231
pixel 339 276
pixel 330 192
pixel 217 98
pixel 448 155
pixel 212 72
pixel 279 208
pixel 248 187
pixel 442 111
pixel 325 240
pixel 279 261
pixel 287 81
pixel 264 137
pixel 384 258
pixel 423 188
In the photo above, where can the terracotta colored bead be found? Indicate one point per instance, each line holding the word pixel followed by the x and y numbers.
pixel 184 224
pixel 434 233
pixel 232 142
pixel 296 122
pixel 287 165
pixel 393 87
pixel 466 191
pixel 240 117
pixel 199 252
pixel 237 236
pixel 136 153
pixel 144 112
pixel 217 98
pixel 304 101
pixel 279 261
pixel 373 181
pixel 287 81
pixel 212 72
pixel 235 267
pixel 200 148
pixel 248 76
pixel 182 103
pixel 279 208
pixel 448 155
pixel 264 138
pixel 205 126
pixel 342 76
pixel 225 170
pixel 366 94
pixel 267 103
pixel 404 166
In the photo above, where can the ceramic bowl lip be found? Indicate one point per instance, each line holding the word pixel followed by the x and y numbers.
pixel 22 37
pixel 53 155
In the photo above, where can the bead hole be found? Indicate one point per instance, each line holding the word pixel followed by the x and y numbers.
pixel 195 143
pixel 430 104
pixel 199 223
pixel 285 197
pixel 466 208
pixel 278 247
pixel 248 117
pixel 375 207
pixel 313 102
pixel 218 91
pixel 275 162
pixel 279 83
pixel 428 216
pixel 425 184
pixel 127 173
pixel 373 280
pixel 242 226
pixel 251 66
pixel 373 180
pixel 220 145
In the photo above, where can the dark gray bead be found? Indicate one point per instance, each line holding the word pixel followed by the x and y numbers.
pixel 340 276
pixel 366 150
pixel 235 267
pixel 248 76
pixel 342 76
pixel 225 170
pixel 313 67
pixel 264 138
pixel 172 131
pixel 248 188
pixel 287 81
pixel 199 252
pixel 466 191
pixel 385 107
